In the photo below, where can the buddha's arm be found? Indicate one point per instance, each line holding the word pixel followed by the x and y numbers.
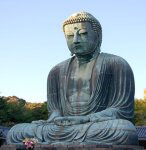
pixel 121 93
pixel 53 96
pixel 107 114
pixel 54 114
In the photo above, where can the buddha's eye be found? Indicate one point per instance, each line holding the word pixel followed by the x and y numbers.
pixel 83 33
pixel 69 36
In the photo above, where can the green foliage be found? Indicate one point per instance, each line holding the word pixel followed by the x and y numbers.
pixel 140 112
pixel 14 110
pixel 3 106
pixel 36 111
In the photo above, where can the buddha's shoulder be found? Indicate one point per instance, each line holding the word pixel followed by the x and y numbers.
pixel 111 58
pixel 61 65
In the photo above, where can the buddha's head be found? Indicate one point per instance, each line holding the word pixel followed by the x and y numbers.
pixel 83 33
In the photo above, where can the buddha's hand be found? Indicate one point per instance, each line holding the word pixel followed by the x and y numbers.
pixel 53 115
pixel 71 120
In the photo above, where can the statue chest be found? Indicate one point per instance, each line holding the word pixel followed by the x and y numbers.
pixel 79 83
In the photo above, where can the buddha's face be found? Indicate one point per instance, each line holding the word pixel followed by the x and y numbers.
pixel 81 38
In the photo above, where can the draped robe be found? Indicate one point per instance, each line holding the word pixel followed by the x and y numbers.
pixel 111 106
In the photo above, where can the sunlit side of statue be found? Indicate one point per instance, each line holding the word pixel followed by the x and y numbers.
pixel 90 95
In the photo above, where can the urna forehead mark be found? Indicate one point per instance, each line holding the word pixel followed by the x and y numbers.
pixel 78 26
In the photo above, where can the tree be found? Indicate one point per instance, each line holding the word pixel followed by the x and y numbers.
pixel 3 108
pixel 140 112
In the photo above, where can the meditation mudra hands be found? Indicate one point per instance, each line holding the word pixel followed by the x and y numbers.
pixel 71 120
pixel 57 119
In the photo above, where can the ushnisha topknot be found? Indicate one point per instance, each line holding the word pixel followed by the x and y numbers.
pixel 83 17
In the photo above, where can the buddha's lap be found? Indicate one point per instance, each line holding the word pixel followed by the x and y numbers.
pixel 107 132
pixel 91 128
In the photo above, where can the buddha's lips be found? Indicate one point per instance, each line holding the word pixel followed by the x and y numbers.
pixel 77 46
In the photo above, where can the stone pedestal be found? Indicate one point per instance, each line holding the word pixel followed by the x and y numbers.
pixel 87 147
pixel 8 147
pixel 74 147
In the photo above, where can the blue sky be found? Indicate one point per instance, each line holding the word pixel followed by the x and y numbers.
pixel 32 41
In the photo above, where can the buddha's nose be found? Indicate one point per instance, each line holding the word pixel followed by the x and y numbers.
pixel 76 39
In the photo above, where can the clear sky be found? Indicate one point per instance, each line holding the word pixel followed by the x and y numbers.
pixel 32 41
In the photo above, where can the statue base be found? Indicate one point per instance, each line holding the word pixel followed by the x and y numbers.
pixel 73 147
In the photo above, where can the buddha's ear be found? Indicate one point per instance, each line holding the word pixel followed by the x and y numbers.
pixel 99 41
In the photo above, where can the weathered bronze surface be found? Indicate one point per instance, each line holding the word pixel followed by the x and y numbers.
pixel 90 95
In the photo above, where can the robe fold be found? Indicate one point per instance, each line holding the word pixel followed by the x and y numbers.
pixel 110 107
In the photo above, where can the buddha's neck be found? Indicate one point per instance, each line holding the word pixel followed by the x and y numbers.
pixel 86 58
